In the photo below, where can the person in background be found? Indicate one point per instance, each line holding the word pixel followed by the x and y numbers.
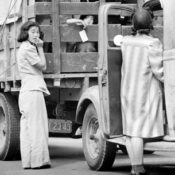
pixel 141 92
pixel 169 60
pixel 169 65
pixel 34 122
pixel 86 46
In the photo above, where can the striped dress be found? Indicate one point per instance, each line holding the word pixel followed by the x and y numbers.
pixel 141 93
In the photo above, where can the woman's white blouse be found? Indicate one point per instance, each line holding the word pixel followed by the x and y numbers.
pixel 31 76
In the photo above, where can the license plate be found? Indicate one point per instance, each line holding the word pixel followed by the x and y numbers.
pixel 60 126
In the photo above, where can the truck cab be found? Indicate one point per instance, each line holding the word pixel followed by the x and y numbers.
pixel 84 83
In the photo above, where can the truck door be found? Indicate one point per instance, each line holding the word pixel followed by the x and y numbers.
pixel 109 71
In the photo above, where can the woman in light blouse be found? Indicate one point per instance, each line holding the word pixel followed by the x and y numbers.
pixel 34 122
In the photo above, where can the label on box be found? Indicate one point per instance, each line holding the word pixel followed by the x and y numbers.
pixel 83 36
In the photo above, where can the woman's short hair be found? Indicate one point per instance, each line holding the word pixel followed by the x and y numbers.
pixel 142 21
pixel 23 35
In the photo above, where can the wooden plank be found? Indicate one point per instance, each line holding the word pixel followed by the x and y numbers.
pixel 73 75
pixel 31 11
pixel 24 11
pixel 44 19
pixel 157 32
pixel 79 8
pixel 87 8
pixel 56 36
pixel 2 67
pixel 70 94
pixel 79 62
pixel 7 59
pixel 126 30
pixel 49 63
pixel 11 43
pixel 70 8
pixel 130 1
pixel 42 8
pixel 71 34
pixel 47 29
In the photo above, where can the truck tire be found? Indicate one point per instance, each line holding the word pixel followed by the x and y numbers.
pixel 9 127
pixel 99 153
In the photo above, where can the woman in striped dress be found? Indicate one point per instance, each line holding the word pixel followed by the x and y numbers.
pixel 141 93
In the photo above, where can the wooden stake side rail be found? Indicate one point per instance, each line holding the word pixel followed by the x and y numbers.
pixel 74 62
pixel 51 17
pixel 71 34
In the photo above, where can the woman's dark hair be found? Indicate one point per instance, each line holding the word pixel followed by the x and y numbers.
pixel 142 21
pixel 23 35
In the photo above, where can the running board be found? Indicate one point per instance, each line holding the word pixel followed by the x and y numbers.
pixel 151 146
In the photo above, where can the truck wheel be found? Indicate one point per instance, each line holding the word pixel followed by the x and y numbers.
pixel 99 153
pixel 9 127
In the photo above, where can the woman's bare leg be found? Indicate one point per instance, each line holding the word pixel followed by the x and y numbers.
pixel 134 146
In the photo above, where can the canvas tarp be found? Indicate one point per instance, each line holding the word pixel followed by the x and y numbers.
pixel 9 10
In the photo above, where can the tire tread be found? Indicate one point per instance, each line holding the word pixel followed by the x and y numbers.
pixel 12 144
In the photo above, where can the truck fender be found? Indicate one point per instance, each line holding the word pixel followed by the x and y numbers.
pixel 90 95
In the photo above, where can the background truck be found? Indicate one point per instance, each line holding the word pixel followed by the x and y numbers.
pixel 84 86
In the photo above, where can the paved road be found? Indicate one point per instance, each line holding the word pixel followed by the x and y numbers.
pixel 67 159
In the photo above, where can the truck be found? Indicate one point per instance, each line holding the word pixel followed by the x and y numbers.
pixel 84 86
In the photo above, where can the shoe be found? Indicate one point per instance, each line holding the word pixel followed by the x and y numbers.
pixel 27 168
pixel 141 173
pixel 42 167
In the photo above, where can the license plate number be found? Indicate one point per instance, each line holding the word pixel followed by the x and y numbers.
pixel 60 126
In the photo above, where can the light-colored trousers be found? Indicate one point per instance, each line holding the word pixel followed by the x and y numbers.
pixel 33 129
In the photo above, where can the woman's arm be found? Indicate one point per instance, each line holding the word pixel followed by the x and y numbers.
pixel 42 63
pixel 156 59
pixel 37 60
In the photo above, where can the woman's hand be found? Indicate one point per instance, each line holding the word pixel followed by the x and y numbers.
pixel 39 42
